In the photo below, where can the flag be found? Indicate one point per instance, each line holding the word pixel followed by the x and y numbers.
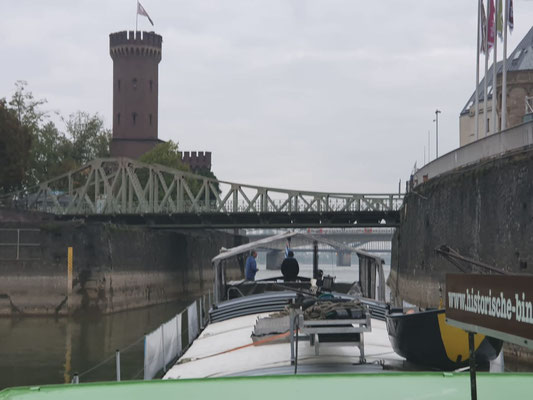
pixel 499 21
pixel 483 30
pixel 510 15
pixel 491 29
pixel 142 11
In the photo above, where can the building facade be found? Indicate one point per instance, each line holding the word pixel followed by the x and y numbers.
pixel 519 92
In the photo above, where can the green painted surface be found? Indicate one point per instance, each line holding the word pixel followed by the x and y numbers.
pixel 387 386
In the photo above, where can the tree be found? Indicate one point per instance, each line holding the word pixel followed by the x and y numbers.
pixel 167 154
pixel 15 142
pixel 51 155
pixel 27 109
pixel 89 138
pixel 52 151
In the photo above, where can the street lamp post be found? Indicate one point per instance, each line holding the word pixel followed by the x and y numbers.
pixel 437 112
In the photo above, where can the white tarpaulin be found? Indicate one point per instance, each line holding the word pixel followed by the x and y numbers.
pixel 153 354
pixel 194 326
pixel 165 343
pixel 172 338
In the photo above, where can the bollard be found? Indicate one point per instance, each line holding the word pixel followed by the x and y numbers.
pixel 117 354
pixel 76 378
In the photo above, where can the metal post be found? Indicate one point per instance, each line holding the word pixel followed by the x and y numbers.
pixel 69 278
pixel 117 357
pixel 494 72
pixel 315 259
pixel 291 330
pixel 18 244
pixel 473 388
pixel 476 101
pixel 504 73
pixel 437 112
pixel 76 378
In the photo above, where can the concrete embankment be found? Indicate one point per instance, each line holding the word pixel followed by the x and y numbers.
pixel 485 212
pixel 114 267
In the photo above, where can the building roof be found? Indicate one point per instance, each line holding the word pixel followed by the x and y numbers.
pixel 520 59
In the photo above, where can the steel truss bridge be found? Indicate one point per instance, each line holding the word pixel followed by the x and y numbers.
pixel 123 190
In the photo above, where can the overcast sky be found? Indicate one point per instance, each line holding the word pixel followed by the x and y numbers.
pixel 325 95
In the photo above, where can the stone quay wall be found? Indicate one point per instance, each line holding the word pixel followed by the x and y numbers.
pixel 483 211
pixel 115 267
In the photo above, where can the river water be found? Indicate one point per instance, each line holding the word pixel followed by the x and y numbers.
pixel 44 350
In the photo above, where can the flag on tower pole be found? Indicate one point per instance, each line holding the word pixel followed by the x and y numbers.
pixel 142 11
pixel 483 29
pixel 510 16
pixel 499 20
pixel 491 28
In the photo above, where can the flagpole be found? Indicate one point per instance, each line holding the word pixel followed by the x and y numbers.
pixel 494 71
pixel 136 17
pixel 486 73
pixel 476 121
pixel 504 75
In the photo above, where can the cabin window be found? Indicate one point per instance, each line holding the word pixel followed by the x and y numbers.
pixel 118 85
pixel 134 83
pixel 150 118
pixel 118 118
pixel 151 85
pixel 134 117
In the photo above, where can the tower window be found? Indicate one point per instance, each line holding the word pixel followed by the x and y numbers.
pixel 150 118
pixel 118 84
pixel 134 117
pixel 134 83
pixel 118 117
pixel 151 85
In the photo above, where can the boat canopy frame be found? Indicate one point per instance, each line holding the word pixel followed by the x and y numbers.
pixel 367 261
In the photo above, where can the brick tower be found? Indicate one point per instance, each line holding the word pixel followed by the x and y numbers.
pixel 136 57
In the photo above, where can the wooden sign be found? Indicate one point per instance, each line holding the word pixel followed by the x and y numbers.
pixel 500 306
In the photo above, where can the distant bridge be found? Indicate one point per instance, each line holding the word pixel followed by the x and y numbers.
pixel 128 191
pixel 374 240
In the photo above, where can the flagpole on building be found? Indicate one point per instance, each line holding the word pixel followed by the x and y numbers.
pixel 136 16
pixel 486 71
pixel 504 74
pixel 494 71
pixel 476 121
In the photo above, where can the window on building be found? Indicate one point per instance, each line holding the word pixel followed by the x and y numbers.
pixel 134 83
pixel 150 118
pixel 118 118
pixel 488 125
pixel 118 84
pixel 151 85
pixel 134 117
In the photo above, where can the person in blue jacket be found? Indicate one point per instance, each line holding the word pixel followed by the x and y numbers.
pixel 251 266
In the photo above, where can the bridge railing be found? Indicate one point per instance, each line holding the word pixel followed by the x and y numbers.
pixel 125 186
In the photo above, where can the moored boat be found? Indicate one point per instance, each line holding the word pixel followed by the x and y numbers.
pixel 425 338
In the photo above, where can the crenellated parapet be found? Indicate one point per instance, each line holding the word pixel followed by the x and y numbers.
pixel 197 160
pixel 130 43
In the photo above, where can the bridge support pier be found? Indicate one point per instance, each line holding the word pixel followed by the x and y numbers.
pixel 344 259
pixel 274 258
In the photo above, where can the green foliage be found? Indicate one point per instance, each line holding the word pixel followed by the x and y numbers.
pixel 89 138
pixel 166 154
pixel 52 152
pixel 15 142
